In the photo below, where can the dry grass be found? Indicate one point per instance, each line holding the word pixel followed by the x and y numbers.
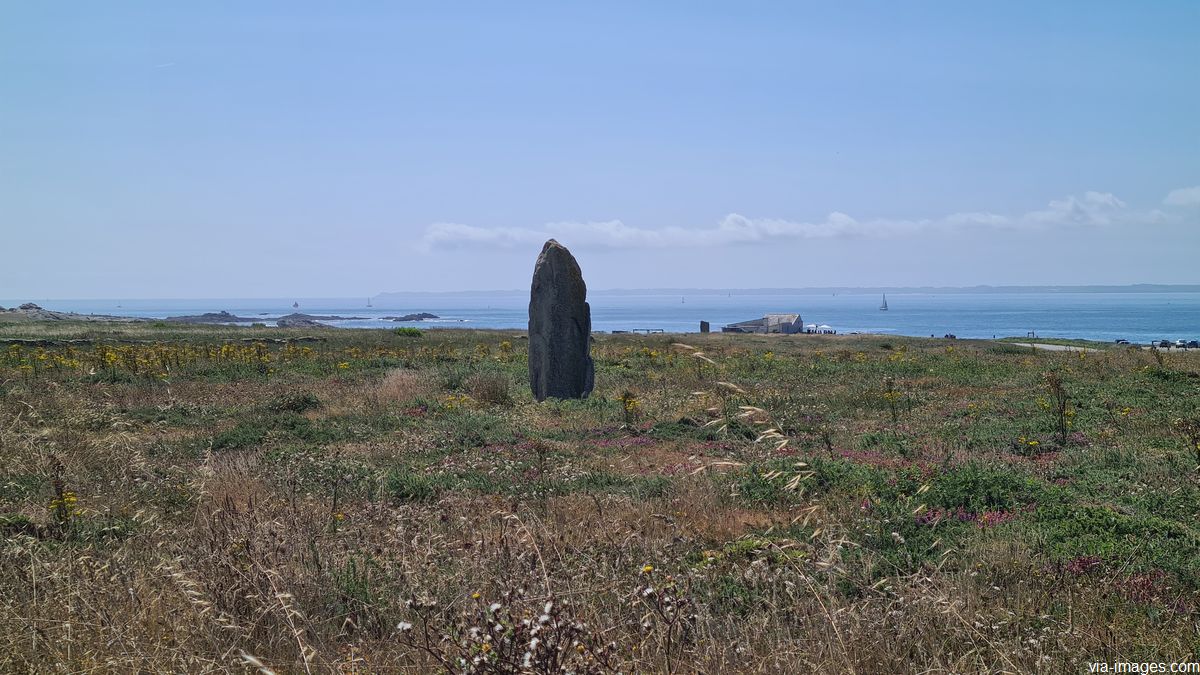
pixel 491 388
pixel 662 544
pixel 406 386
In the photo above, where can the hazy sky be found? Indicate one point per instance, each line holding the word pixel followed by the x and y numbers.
pixel 230 149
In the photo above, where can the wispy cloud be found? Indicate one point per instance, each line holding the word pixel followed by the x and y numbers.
pixel 1092 209
pixel 1183 197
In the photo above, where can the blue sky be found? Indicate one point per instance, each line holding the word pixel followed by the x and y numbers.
pixel 343 149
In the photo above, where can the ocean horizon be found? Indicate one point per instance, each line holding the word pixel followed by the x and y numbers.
pixel 1135 315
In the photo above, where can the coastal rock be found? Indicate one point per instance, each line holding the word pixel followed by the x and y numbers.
pixel 32 312
pixel 211 317
pixel 560 327
pixel 419 316
pixel 298 321
pixel 226 317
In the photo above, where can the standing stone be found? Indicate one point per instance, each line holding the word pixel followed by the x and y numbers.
pixel 560 327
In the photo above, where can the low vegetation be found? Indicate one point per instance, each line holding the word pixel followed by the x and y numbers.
pixel 208 498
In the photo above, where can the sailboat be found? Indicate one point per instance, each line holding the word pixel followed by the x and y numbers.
pixel 295 305
pixel 883 307
pixel 369 302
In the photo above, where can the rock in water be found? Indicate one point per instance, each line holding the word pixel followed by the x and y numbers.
pixel 560 327
pixel 296 320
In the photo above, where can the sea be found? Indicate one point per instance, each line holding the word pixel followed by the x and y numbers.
pixel 1139 317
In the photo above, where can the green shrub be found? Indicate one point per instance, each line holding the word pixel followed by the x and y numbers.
pixel 254 431
pixel 297 402
pixel 16 487
pixel 176 414
pixel 241 436
pixel 976 487
pixel 408 331
pixel 462 428
pixel 754 486
pixel 12 524
pixel 406 486
pixel 1136 543
pixel 489 388
pixel 606 482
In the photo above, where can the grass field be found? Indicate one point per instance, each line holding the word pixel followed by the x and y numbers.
pixel 178 498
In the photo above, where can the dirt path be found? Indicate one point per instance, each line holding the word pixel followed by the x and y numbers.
pixel 1055 348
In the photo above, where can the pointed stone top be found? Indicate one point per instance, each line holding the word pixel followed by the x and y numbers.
pixel 555 259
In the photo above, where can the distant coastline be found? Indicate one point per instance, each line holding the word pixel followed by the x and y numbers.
pixel 617 292
pixel 1137 313
pixel 825 290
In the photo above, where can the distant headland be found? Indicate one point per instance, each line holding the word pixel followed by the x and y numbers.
pixel 825 290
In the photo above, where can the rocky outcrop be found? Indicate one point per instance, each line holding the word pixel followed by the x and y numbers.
pixel 296 320
pixel 31 312
pixel 419 316
pixel 211 317
pixel 560 327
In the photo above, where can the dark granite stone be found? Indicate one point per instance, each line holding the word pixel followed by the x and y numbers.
pixel 560 327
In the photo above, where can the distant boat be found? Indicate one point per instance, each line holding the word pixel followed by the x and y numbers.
pixel 682 300
pixel 883 307
pixel 369 302
pixel 295 305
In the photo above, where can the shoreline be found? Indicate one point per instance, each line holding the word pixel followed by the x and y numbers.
pixel 66 322
pixel 973 322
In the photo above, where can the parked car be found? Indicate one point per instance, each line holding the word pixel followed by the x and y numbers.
pixel 1164 344
pixel 1122 341
pixel 1181 344
pixel 1193 344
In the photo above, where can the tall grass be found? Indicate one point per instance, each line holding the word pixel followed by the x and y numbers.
pixel 371 502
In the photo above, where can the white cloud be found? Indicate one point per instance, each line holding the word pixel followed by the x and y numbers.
pixel 1183 197
pixel 1093 209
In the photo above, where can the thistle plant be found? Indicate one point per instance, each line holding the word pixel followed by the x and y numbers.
pixel 63 507
pixel 1060 405
pixel 670 610
pixel 892 396
pixel 499 637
